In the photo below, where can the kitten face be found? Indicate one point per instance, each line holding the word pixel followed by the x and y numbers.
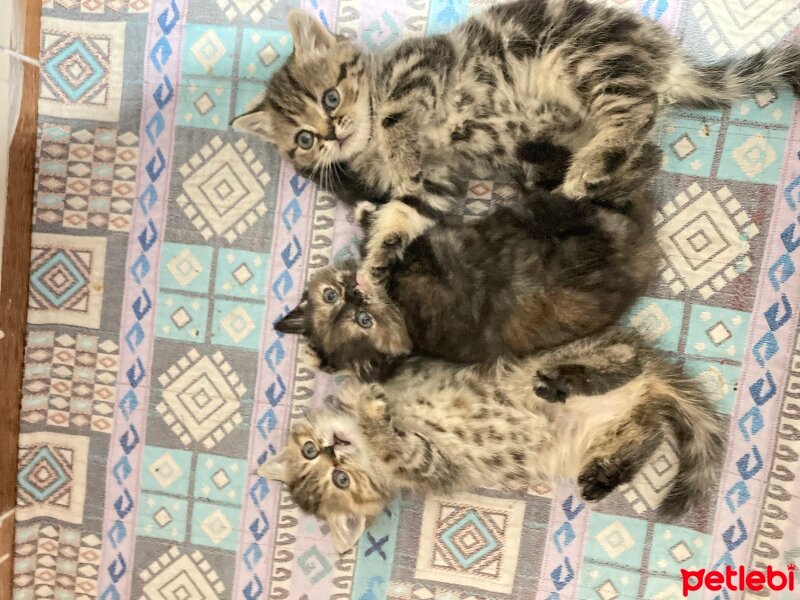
pixel 316 107
pixel 349 330
pixel 328 474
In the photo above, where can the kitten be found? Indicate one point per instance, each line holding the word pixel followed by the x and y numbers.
pixel 501 92
pixel 532 275
pixel 440 428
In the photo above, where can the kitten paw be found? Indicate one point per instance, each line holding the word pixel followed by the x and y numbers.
pixel 363 213
pixel 550 386
pixel 582 184
pixel 598 479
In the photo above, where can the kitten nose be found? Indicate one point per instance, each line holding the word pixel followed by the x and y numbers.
pixel 331 135
pixel 329 451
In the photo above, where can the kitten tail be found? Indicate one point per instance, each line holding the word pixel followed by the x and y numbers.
pixel 717 85
pixel 699 440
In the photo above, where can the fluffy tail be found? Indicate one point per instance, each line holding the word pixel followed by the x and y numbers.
pixel 719 84
pixel 699 440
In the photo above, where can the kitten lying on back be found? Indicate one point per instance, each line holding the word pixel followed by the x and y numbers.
pixel 440 428
pixel 404 127
pixel 533 275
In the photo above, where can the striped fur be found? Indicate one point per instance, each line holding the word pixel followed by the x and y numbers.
pixel 436 427
pixel 507 90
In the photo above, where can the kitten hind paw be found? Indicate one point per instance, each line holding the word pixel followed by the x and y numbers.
pixel 550 386
pixel 598 479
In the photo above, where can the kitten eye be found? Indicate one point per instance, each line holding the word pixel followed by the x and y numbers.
pixel 310 451
pixel 331 99
pixel 330 295
pixel 363 319
pixel 340 479
pixel 304 139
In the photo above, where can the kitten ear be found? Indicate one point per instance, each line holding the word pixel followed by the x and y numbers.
pixel 256 121
pixel 308 34
pixel 275 467
pixel 346 528
pixel 294 321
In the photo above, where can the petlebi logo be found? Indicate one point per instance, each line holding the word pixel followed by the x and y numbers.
pixel 739 580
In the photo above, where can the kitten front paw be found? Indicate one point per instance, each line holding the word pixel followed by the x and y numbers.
pixel 582 184
pixel 598 479
pixel 589 175
pixel 550 386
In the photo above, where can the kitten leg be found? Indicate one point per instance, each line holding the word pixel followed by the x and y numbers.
pixel 591 375
pixel 622 124
pixel 618 455
pixel 392 228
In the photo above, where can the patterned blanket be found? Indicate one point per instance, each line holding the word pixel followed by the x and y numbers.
pixel 166 244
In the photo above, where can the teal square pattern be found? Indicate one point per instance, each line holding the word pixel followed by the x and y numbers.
pixel 162 517
pixel 205 103
pixel 262 53
pixel 615 539
pixel 242 274
pixel 753 155
pixel 599 581
pixel 219 478
pixel 166 470
pixel 658 320
pixel 717 332
pixel 185 267
pixel 675 548
pixel 237 324
pixel 767 107
pixel 181 317
pixel 718 379
pixel 208 50
pixel 689 145
pixel 215 525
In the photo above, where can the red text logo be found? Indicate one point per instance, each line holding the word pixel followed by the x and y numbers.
pixel 737 580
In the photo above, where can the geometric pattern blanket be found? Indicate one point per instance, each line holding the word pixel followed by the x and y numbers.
pixel 165 244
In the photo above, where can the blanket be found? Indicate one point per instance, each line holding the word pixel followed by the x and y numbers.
pixel 165 245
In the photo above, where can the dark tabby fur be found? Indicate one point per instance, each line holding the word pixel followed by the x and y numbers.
pixel 531 275
pixel 501 92
pixel 439 428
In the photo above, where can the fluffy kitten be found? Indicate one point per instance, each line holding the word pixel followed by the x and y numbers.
pixel 439 428
pixel 500 92
pixel 535 274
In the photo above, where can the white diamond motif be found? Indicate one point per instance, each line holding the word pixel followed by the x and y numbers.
pixel 223 196
pixel 615 539
pixel 184 267
pixel 180 317
pixel 268 55
pixel 754 155
pixel 719 333
pixel 165 470
pixel 238 324
pixel 680 552
pixel 208 50
pixel 705 239
pixel 651 322
pixel 220 479
pixel 607 591
pixel 162 517
pixel 216 526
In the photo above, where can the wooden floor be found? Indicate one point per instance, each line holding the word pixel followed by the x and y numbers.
pixel 14 291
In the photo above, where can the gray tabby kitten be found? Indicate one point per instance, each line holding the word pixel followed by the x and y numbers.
pixel 439 428
pixel 503 91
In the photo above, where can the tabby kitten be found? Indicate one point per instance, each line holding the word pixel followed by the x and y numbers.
pixel 439 428
pixel 535 274
pixel 500 92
